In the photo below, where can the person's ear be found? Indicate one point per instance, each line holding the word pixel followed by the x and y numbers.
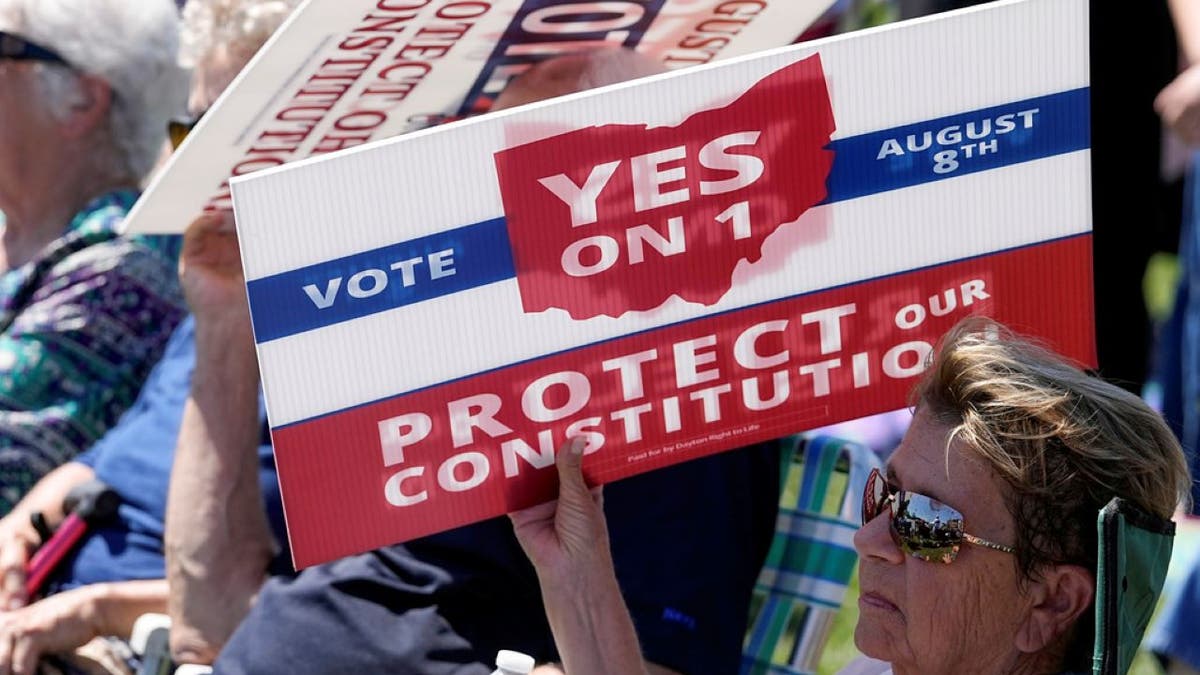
pixel 1058 599
pixel 89 108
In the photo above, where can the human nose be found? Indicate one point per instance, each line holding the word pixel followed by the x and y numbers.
pixel 874 540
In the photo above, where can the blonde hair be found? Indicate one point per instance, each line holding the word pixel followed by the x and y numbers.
pixel 236 24
pixel 1063 441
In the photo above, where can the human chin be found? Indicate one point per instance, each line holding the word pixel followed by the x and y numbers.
pixel 881 629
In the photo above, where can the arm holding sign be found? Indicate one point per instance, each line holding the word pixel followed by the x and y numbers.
pixel 567 541
pixel 218 542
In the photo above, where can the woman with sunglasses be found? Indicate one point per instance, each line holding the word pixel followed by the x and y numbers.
pixel 86 90
pixel 979 541
pixel 978 546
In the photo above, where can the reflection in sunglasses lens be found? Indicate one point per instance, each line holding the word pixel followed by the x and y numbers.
pixel 875 497
pixel 920 525
pixel 928 528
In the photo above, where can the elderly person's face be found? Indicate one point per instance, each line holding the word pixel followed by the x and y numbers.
pixel 44 133
pixel 25 126
pixel 970 615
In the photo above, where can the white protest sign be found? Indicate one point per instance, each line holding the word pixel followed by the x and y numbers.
pixel 340 73
pixel 670 268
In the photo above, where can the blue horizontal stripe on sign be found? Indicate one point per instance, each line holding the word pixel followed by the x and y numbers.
pixel 376 281
pixel 959 144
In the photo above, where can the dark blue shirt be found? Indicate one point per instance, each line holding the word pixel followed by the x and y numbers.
pixel 688 542
pixel 134 458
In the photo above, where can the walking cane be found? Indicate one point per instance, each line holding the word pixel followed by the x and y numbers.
pixel 86 505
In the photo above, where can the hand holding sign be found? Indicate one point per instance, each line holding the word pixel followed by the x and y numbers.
pixel 567 541
pixel 210 269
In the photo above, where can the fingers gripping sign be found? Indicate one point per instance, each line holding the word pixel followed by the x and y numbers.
pixel 566 537
pixel 210 268
pixel 567 542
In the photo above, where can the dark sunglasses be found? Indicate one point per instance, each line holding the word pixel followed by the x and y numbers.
pixel 921 526
pixel 179 128
pixel 17 48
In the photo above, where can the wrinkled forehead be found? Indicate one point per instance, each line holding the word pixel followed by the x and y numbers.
pixel 931 462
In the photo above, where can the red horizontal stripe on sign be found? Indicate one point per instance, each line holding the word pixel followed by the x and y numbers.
pixel 479 447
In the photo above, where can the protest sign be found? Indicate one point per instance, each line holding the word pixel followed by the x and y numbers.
pixel 340 73
pixel 670 268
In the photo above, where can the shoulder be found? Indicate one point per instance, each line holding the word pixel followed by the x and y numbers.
pixel 117 264
pixel 119 291
pixel 116 253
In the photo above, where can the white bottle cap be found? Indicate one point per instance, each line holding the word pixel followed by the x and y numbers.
pixel 514 662
pixel 144 626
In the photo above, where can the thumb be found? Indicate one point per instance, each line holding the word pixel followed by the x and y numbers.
pixel 578 518
pixel 571 485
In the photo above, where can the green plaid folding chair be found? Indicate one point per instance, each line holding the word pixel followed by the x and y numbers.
pixel 812 558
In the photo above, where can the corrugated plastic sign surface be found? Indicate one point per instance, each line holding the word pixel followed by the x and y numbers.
pixel 671 268
pixel 341 73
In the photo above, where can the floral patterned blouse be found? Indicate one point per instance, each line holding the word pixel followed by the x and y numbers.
pixel 80 327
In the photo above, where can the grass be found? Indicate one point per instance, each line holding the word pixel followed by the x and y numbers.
pixel 840 649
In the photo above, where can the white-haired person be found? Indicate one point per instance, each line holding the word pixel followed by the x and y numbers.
pixel 978 553
pixel 118 570
pixel 86 92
